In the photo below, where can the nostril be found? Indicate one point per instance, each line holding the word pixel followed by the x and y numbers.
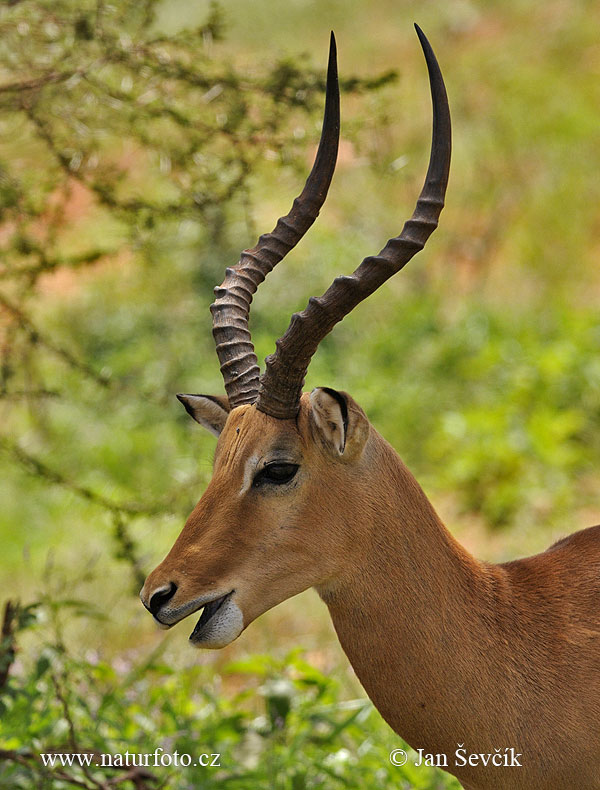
pixel 161 596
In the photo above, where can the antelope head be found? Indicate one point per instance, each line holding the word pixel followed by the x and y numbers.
pixel 289 467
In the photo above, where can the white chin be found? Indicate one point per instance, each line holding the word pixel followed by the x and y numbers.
pixel 226 624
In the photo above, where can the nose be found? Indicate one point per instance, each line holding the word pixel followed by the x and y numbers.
pixel 160 597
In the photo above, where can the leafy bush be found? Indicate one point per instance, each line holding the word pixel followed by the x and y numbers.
pixel 285 726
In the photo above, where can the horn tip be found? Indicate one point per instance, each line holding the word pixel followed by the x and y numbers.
pixel 332 51
pixel 422 37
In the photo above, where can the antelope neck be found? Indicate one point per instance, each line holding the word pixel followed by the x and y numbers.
pixel 417 616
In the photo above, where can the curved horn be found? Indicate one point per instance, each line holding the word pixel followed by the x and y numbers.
pixel 281 383
pixel 231 307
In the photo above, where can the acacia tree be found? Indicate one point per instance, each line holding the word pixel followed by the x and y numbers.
pixel 125 157
pixel 119 147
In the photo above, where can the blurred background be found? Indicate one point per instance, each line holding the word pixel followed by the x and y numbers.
pixel 142 146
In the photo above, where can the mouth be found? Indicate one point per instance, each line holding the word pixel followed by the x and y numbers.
pixel 210 611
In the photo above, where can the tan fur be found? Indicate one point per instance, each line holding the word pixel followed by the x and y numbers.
pixel 451 650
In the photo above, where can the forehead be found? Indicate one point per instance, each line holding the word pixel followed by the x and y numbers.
pixel 249 431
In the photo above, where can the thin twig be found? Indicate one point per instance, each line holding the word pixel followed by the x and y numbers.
pixel 38 337
pixel 76 748
pixel 7 642
pixel 37 82
pixel 40 469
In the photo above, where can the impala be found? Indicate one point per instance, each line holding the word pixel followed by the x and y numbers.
pixel 455 653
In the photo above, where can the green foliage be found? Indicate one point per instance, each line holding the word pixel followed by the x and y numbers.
pixel 501 409
pixel 142 145
pixel 285 728
pixel 122 149
pixel 535 447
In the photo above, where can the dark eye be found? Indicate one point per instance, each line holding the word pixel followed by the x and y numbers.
pixel 276 473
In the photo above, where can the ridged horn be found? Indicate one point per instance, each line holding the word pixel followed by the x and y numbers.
pixel 282 381
pixel 231 308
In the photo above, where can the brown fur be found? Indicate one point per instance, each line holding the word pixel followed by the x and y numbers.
pixel 451 650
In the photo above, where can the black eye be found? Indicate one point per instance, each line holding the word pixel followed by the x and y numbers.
pixel 276 473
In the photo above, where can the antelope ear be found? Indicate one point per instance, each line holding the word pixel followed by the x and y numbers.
pixel 340 421
pixel 209 410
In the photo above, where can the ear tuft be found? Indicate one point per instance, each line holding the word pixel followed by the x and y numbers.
pixel 209 410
